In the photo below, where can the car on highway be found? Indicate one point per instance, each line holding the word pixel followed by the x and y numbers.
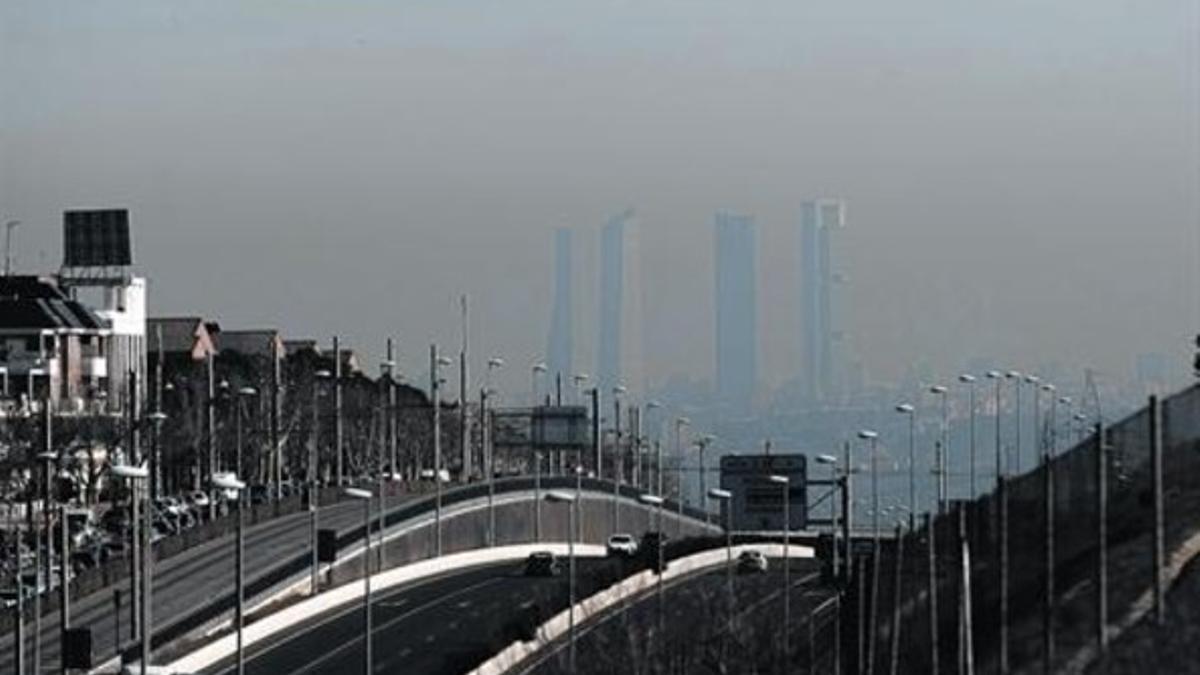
pixel 542 564
pixel 198 499
pixel 752 562
pixel 621 544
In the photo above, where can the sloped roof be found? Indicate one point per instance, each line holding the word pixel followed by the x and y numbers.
pixel 33 303
pixel 179 334
pixel 264 343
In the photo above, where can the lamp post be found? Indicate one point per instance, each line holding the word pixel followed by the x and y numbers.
pixel 650 483
pixel 1015 461
pixel 657 502
pixel 680 423
pixel 1068 403
pixel 537 369
pixel 435 382
pixel 969 380
pixel 1038 447
pixel 135 475
pixel 243 393
pixel 873 439
pixel 42 570
pixel 724 497
pixel 618 461
pixel 784 483
pixel 579 379
pixel 314 504
pixel 997 377
pixel 702 445
pixel 940 459
pixel 228 482
pixel 834 483
pixel 908 409
pixel 489 459
pixel 365 497
pixel 560 497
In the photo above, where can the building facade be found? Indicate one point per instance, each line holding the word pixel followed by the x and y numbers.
pixel 736 293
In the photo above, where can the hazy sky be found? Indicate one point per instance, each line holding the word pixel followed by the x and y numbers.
pixel 1022 176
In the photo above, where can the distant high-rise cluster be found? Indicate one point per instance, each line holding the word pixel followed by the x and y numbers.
pixel 818 221
pixel 736 289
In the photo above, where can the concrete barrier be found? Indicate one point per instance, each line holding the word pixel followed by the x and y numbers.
pixel 639 584
pixel 226 646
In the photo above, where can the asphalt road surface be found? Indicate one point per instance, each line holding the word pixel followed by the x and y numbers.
pixel 187 581
pixel 446 625
pixel 697 628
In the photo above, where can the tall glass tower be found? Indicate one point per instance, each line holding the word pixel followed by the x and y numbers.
pixel 736 311
pixel 818 220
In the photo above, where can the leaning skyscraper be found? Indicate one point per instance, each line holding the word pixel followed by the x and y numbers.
pixel 818 220
pixel 619 352
pixel 560 344
pixel 736 311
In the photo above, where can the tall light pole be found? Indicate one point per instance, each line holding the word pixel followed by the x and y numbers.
pixel 724 497
pixel 1068 403
pixel 561 497
pixel 873 439
pixel 228 482
pixel 537 369
pixel 137 475
pixel 702 445
pixel 1048 606
pixel 969 380
pixel 657 502
pixel 997 377
pixel 784 483
pixel 365 497
pixel 243 393
pixel 435 383
pixel 834 484
pixel 489 459
pixel 9 226
pixel 657 484
pixel 579 379
pixel 680 423
pixel 1015 460
pixel 618 461
pixel 42 568
pixel 388 475
pixel 911 412
pixel 313 465
pixel 942 449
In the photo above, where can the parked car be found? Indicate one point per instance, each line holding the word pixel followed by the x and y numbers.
pixel 621 545
pixel 752 562
pixel 199 499
pixel 542 564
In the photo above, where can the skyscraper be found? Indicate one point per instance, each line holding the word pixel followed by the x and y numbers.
pixel 736 310
pixel 818 219
pixel 619 352
pixel 560 344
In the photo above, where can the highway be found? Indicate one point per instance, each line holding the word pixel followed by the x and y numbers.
pixel 696 623
pixel 444 625
pixel 188 581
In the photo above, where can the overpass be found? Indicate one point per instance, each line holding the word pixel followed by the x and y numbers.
pixel 193 590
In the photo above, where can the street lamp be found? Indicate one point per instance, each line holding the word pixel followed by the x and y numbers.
pixel 940 459
pixel 724 496
pixel 618 461
pixel 997 377
pixel 136 475
pixel 908 409
pixel 1015 460
pixel 680 423
pixel 228 482
pixel 873 438
pixel 561 497
pixel 243 393
pixel 538 368
pixel 969 380
pixel 489 459
pixel 365 497
pixel 784 483
pixel 702 445
pixel 313 462
pixel 42 571
pixel 436 363
pixel 834 482
pixel 658 457
pixel 579 379
pixel 657 502
pixel 1069 404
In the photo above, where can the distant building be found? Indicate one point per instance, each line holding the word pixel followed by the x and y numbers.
pixel 560 345
pixel 818 220
pixel 184 339
pixel 736 311
pixel 619 353
pixel 262 343
pixel 51 347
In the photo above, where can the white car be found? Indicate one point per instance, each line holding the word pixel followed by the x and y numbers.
pixel 622 544
pixel 199 499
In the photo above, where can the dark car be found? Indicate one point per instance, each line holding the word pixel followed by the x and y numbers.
pixel 542 564
pixel 751 562
pixel 652 549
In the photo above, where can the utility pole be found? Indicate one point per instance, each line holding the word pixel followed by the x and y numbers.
pixel 464 420
pixel 210 402
pixel 391 417
pixel 596 444
pixel 337 410
pixel 276 387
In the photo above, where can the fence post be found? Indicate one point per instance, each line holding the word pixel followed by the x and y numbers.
pixel 1101 541
pixel 930 531
pixel 1156 467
